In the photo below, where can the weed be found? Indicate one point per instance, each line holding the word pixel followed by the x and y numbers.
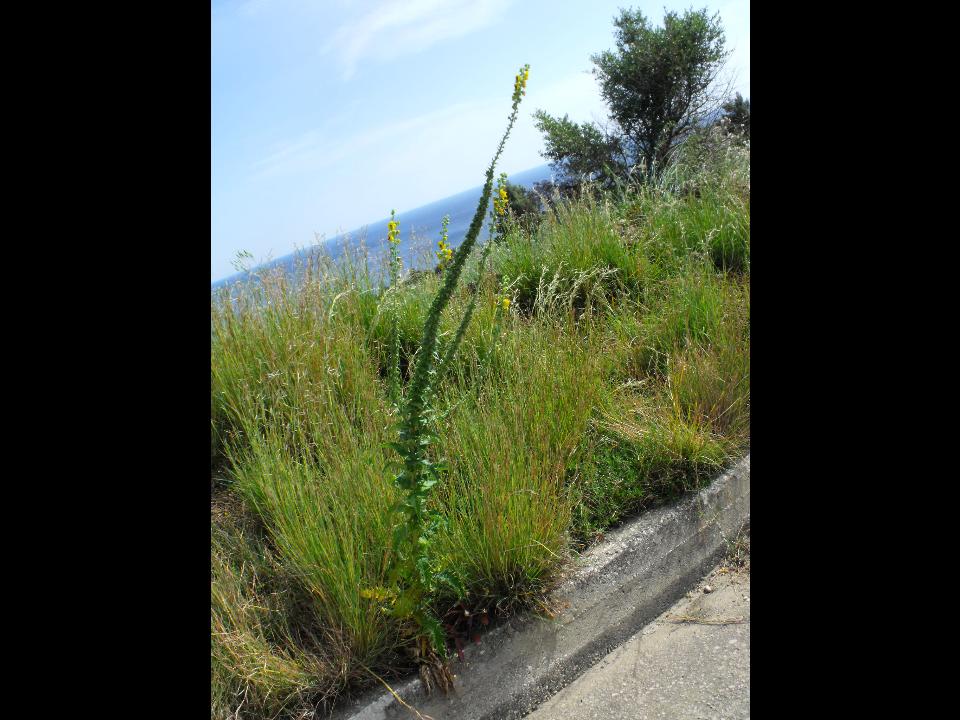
pixel 414 564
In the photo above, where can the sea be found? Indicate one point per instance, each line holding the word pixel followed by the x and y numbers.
pixel 419 230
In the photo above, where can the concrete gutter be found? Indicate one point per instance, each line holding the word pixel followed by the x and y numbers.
pixel 618 586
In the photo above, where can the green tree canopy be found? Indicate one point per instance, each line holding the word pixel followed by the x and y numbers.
pixel 658 87
pixel 523 210
pixel 737 113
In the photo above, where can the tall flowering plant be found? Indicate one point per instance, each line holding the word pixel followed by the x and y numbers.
pixel 416 572
pixel 445 252
pixel 396 267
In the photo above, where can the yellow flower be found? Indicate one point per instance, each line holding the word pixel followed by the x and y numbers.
pixel 520 83
pixel 501 200
pixel 445 253
pixel 506 303
pixel 378 593
pixel 393 231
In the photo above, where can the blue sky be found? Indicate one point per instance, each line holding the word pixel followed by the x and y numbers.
pixel 325 114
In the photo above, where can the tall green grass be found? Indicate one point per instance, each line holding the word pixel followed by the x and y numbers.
pixel 577 253
pixel 265 657
pixel 510 446
pixel 699 209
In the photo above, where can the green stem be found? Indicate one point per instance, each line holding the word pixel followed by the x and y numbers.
pixel 418 474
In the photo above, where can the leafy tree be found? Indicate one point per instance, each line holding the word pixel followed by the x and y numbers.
pixel 658 87
pixel 549 191
pixel 580 151
pixel 524 206
pixel 737 113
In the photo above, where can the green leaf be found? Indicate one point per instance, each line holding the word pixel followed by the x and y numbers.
pixel 451 581
pixel 434 631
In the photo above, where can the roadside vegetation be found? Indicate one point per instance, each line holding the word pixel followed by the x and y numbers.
pixel 398 458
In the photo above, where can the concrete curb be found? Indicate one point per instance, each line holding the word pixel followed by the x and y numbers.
pixel 619 586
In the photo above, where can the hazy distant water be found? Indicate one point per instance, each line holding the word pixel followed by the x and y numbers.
pixel 419 228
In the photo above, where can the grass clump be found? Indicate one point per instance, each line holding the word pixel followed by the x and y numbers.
pixel 640 457
pixel 509 449
pixel 700 209
pixel 577 254
pixel 261 661
pixel 688 309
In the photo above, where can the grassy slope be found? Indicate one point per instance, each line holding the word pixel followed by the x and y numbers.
pixel 618 379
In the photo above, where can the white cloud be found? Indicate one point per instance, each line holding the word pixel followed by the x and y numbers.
pixel 317 148
pixel 396 27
